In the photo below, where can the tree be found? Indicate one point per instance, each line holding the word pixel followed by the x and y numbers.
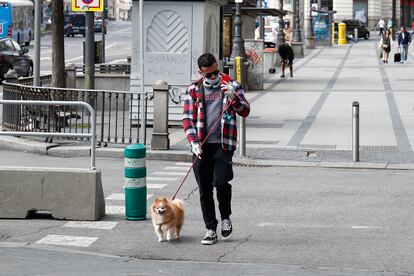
pixel 58 45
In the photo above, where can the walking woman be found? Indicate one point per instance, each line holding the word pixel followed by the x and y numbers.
pixel 386 46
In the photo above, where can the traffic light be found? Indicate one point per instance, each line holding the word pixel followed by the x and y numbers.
pixel 106 11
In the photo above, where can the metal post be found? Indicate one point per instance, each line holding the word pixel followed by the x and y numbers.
pixel 89 51
pixel 90 55
pixel 355 131
pixel 238 41
pixel 280 33
pixel 261 22
pixel 239 78
pixel 103 29
pixel 297 36
pixel 36 63
pixel 141 60
pixel 356 35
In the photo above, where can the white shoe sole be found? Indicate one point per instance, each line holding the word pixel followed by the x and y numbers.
pixel 208 242
pixel 226 238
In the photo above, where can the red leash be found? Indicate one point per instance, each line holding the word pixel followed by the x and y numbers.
pixel 205 139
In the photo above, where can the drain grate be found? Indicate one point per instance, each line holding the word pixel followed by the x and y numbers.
pixel 379 148
pixel 251 166
pixel 314 146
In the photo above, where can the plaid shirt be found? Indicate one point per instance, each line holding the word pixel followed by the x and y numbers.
pixel 193 115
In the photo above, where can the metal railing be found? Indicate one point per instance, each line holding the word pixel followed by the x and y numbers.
pixel 104 68
pixel 45 80
pixel 117 112
pixel 91 136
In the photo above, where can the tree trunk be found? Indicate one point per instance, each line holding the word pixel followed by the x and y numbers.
pixel 58 45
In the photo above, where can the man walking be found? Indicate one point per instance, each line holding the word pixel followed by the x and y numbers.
pixel 213 138
pixel 404 40
pixel 286 57
pixel 381 25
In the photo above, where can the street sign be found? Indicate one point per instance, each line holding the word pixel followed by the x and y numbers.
pixel 87 5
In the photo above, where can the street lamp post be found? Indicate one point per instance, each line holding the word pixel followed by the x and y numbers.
pixel 238 41
pixel 297 36
pixel 280 33
pixel 310 35
pixel 239 67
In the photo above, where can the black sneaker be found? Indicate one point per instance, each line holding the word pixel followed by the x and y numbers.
pixel 210 238
pixel 226 229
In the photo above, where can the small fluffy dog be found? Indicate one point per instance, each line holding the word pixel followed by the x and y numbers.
pixel 167 216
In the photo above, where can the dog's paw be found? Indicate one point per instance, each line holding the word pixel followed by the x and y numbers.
pixel 160 240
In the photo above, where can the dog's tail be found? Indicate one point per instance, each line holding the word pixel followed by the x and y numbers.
pixel 178 202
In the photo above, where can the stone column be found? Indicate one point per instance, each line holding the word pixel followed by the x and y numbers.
pixel 160 136
pixel 70 75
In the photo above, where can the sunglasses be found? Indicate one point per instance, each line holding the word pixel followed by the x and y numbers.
pixel 214 73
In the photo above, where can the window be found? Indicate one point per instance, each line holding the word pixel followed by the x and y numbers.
pixel 8 45
pixel 16 46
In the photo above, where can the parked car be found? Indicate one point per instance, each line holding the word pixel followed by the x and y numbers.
pixel 351 25
pixel 74 24
pixel 12 56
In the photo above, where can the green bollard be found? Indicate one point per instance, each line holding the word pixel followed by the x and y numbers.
pixel 135 182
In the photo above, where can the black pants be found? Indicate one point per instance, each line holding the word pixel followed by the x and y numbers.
pixel 214 169
pixel 381 31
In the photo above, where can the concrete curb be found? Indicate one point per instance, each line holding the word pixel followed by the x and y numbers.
pixel 22 144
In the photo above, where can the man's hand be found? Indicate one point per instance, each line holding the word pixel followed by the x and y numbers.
pixel 196 149
pixel 228 89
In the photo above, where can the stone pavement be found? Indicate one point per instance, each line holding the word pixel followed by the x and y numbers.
pixel 287 221
pixel 309 117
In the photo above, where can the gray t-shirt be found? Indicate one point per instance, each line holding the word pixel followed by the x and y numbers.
pixel 213 108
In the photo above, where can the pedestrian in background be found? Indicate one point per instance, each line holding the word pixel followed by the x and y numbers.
pixel 412 28
pixel 381 26
pixel 286 57
pixel 204 103
pixel 404 40
pixel 391 28
pixel 386 46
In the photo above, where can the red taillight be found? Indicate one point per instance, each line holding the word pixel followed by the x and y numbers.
pixel 9 31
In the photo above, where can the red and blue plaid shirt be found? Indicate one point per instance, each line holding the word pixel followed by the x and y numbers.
pixel 193 115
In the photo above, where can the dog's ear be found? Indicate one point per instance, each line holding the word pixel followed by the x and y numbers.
pixel 165 199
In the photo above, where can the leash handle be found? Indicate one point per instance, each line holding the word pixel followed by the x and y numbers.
pixel 205 139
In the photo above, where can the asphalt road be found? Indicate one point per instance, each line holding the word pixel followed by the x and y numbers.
pixel 117 46
pixel 287 221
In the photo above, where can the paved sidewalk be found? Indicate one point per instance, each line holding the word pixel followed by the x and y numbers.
pixel 309 117
pixel 287 221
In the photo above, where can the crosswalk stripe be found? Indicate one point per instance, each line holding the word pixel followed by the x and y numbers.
pixel 156 186
pixel 67 240
pixel 176 168
pixel 115 210
pixel 169 173
pixel 160 178
pixel 121 196
pixel 183 164
pixel 105 225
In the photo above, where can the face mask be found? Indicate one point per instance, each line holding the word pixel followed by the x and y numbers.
pixel 214 83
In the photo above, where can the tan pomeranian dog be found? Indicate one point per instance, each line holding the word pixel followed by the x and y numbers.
pixel 167 216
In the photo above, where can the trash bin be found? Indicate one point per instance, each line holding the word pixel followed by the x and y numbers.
pixel 269 60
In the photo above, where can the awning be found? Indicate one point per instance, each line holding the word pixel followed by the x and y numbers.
pixel 253 11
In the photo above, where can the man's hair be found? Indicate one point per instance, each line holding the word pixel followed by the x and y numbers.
pixel 403 28
pixel 206 60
